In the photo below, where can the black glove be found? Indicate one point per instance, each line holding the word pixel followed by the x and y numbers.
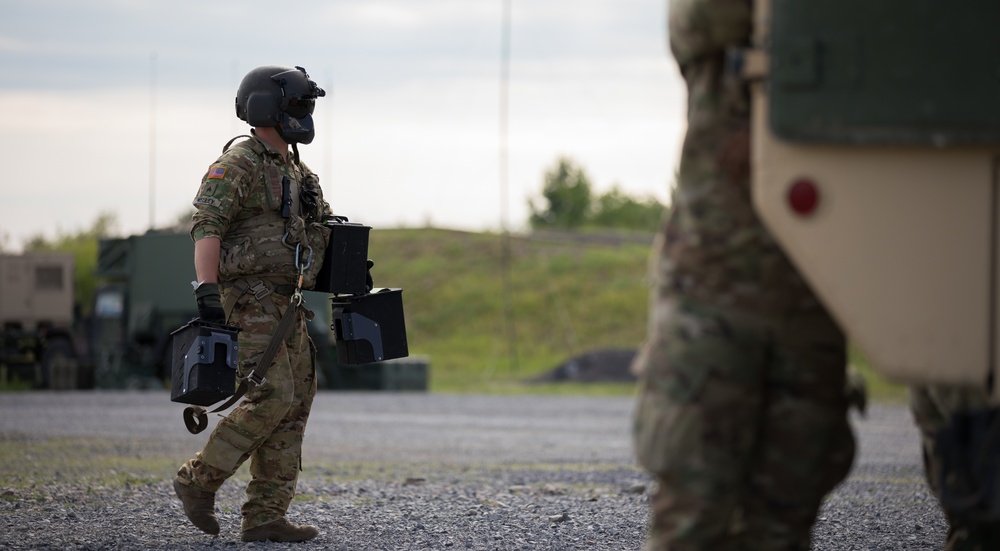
pixel 210 303
pixel 369 282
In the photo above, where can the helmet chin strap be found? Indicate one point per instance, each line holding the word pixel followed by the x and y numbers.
pixel 295 152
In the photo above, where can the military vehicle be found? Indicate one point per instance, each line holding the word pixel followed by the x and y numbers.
pixel 876 164
pixel 38 343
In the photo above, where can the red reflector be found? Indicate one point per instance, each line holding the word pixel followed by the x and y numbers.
pixel 803 197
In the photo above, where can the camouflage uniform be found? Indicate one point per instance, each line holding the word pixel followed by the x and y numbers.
pixel 958 426
pixel 741 411
pixel 240 202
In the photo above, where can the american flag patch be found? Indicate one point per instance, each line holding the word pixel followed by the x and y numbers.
pixel 216 172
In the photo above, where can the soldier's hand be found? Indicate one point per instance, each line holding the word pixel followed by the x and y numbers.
pixel 210 303
pixel 369 282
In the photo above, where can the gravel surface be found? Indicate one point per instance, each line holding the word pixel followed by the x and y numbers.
pixel 92 470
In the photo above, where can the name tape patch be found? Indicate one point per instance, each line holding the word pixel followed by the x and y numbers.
pixel 211 201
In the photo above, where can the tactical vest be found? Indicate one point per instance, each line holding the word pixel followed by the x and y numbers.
pixel 265 244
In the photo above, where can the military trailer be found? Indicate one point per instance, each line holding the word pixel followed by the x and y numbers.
pixel 876 164
pixel 38 344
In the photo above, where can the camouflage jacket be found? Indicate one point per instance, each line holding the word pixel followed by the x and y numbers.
pixel 239 202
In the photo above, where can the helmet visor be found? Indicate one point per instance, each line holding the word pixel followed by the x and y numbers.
pixel 298 106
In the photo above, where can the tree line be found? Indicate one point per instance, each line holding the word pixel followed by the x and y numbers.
pixel 568 203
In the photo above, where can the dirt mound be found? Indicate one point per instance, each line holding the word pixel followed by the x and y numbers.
pixel 599 366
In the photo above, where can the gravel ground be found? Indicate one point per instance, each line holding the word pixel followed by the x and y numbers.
pixel 404 471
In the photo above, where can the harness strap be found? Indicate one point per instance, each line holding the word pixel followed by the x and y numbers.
pixel 260 289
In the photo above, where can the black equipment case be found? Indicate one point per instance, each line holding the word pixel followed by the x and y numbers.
pixel 369 328
pixel 204 358
pixel 345 263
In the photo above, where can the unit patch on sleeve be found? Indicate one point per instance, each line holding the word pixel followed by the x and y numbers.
pixel 216 172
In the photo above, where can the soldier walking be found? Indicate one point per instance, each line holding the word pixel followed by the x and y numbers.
pixel 259 240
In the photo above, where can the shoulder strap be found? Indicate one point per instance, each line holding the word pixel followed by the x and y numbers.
pixel 230 142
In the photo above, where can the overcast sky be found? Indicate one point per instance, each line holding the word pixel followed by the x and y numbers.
pixel 407 135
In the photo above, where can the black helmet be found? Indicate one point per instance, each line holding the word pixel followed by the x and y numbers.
pixel 279 97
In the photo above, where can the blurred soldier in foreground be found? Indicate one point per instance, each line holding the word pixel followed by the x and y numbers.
pixel 960 431
pixel 741 413
pixel 258 242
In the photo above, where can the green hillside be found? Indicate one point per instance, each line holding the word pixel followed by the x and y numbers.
pixel 571 293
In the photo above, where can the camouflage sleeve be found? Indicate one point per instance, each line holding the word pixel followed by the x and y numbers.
pixel 218 200
pixel 699 28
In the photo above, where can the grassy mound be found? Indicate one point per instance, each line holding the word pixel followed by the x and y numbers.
pixel 569 294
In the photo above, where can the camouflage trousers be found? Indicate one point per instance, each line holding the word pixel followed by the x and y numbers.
pixel 268 425
pixel 942 409
pixel 743 421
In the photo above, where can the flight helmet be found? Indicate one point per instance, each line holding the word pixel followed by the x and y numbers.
pixel 279 97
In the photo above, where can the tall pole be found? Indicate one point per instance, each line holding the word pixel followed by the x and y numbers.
pixel 152 140
pixel 505 257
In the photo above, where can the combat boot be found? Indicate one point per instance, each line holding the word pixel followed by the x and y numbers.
pixel 280 530
pixel 199 506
